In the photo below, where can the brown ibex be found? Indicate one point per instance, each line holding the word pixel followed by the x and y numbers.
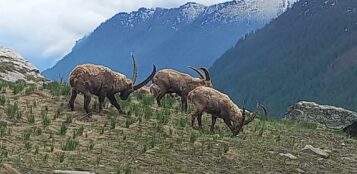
pixel 219 105
pixel 172 81
pixel 103 82
pixel 154 90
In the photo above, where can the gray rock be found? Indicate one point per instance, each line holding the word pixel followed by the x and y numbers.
pixel 14 67
pixel 318 151
pixel 322 115
pixel 289 155
pixel 300 170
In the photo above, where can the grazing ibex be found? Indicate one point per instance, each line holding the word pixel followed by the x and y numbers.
pixel 172 81
pixel 218 105
pixel 102 82
pixel 154 90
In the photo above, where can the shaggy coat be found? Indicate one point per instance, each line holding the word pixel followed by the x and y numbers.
pixel 219 105
pixel 103 82
pixel 172 81
pixel 154 90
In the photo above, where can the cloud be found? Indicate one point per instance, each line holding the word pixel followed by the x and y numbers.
pixel 44 31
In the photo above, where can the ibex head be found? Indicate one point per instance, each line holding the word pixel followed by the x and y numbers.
pixel 204 74
pixel 238 125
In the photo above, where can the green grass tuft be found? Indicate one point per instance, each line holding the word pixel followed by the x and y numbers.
pixel 63 129
pixel 2 100
pixel 70 145
pixel 57 89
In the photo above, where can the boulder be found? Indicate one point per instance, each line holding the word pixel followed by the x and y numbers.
pixel 14 67
pixel 322 115
pixel 318 151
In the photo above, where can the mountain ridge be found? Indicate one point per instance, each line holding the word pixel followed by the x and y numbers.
pixel 191 34
pixel 295 57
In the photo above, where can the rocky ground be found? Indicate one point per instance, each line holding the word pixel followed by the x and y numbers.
pixel 38 134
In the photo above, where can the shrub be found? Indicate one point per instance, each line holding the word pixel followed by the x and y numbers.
pixel 112 123
pixel 2 100
pixel 225 148
pixel 57 114
pixel 30 89
pixel 3 128
pixel 45 120
pixel 28 145
pixel 68 120
pixel 147 100
pixel 12 110
pixel 309 125
pixel 61 157
pixel 17 87
pixel 80 131
pixel 27 135
pixel 57 88
pixel 3 154
pixel 63 129
pixel 193 137
pixel 90 145
pixel 70 145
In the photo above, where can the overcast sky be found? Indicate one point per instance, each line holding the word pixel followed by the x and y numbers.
pixel 43 31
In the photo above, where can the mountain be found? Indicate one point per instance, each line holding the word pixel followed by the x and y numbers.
pixel 14 67
pixel 307 53
pixel 192 34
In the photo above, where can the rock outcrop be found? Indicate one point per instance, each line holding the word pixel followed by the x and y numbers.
pixel 322 115
pixel 14 67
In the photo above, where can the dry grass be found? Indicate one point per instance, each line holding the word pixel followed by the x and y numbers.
pixel 47 136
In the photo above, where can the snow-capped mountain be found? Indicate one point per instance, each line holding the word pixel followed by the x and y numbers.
pixel 192 34
pixel 14 67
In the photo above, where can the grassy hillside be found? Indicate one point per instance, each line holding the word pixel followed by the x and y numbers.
pixel 308 53
pixel 39 134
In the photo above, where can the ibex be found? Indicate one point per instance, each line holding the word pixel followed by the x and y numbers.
pixel 154 90
pixel 103 82
pixel 218 105
pixel 172 81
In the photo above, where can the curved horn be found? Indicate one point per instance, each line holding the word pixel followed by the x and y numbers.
pixel 198 71
pixel 265 112
pixel 135 69
pixel 143 83
pixel 252 117
pixel 243 115
pixel 207 76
